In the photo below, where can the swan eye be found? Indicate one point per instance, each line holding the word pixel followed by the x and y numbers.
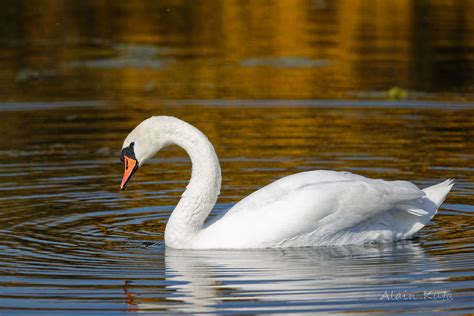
pixel 128 151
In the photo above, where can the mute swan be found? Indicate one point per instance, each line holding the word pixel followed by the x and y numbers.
pixel 313 208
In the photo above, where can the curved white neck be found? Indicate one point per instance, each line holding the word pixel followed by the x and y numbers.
pixel 203 189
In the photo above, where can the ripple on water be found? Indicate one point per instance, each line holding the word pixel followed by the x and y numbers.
pixel 56 262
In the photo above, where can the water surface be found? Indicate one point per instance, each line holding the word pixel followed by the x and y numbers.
pixel 312 87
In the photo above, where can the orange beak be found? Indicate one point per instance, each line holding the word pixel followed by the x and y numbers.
pixel 131 165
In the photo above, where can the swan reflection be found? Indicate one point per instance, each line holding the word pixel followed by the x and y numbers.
pixel 299 279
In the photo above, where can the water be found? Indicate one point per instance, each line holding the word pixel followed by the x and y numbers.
pixel 311 88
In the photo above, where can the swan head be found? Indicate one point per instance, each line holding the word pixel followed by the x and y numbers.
pixel 139 146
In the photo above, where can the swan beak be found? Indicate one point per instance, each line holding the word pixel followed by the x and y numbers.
pixel 131 165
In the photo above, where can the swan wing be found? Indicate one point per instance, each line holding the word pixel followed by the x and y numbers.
pixel 283 188
pixel 326 202
pixel 359 189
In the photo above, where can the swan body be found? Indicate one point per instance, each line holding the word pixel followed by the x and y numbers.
pixel 314 208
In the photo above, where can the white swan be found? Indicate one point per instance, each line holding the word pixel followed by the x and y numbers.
pixel 314 208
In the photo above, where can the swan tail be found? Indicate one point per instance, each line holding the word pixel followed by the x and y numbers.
pixel 409 217
pixel 438 192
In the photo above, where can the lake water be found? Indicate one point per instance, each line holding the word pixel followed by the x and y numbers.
pixel 383 89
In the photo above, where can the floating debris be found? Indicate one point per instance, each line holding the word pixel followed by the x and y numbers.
pixel 397 93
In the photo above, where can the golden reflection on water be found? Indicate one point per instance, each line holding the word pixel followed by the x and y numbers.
pixel 234 49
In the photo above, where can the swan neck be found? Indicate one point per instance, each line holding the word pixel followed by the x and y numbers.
pixel 201 194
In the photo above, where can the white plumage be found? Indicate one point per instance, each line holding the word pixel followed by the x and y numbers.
pixel 314 208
